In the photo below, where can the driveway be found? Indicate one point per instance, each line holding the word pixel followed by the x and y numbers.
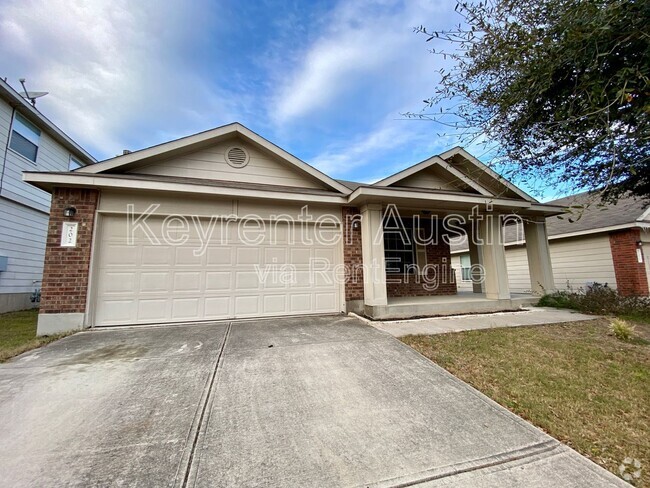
pixel 326 401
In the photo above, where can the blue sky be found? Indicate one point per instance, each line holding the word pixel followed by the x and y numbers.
pixel 325 80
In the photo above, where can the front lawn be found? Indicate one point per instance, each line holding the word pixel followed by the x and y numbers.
pixel 575 381
pixel 18 333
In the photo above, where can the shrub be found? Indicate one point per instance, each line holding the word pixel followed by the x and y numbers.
pixel 599 299
pixel 622 330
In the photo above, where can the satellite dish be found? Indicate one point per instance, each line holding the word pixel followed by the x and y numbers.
pixel 31 96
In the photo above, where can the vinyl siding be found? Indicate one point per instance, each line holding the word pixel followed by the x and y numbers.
pixel 210 163
pixel 432 178
pixel 51 156
pixel 22 240
pixel 576 262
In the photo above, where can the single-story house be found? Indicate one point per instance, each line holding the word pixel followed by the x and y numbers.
pixel 224 224
pixel 608 244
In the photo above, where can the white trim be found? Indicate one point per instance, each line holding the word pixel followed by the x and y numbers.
pixel 43 123
pixel 202 137
pixel 87 180
pixel 428 163
pixel 498 178
pixel 387 192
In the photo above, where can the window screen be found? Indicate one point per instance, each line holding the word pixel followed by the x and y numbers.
pixel 24 137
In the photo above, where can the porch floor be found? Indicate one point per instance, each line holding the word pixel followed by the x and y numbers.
pixel 462 303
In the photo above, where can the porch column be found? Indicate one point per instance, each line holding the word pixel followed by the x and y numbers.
pixel 494 259
pixel 539 257
pixel 475 258
pixel 374 260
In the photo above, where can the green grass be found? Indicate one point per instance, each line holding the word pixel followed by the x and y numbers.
pixel 575 381
pixel 18 334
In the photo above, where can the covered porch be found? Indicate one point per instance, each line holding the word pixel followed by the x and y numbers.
pixel 385 298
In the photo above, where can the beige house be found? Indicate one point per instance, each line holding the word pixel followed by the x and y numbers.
pixel 596 243
pixel 224 224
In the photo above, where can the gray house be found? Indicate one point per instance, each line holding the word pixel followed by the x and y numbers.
pixel 29 142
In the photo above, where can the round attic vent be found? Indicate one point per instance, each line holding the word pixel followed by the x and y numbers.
pixel 237 157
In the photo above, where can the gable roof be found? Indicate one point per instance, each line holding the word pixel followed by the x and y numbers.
pixel 484 170
pixel 206 138
pixel 13 98
pixel 428 163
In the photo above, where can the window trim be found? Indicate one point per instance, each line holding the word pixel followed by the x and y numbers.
pixel 74 160
pixel 21 119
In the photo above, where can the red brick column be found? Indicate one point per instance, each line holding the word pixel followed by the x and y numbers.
pixel 352 253
pixel 631 277
pixel 65 274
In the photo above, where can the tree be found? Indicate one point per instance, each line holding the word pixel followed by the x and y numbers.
pixel 561 86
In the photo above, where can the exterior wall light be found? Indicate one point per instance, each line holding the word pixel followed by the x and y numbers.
pixel 69 212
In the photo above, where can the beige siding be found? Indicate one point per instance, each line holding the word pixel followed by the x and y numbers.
pixel 210 163
pixel 460 284
pixel 576 262
pixel 434 178
pixel 22 240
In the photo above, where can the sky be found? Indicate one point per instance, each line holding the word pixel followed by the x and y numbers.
pixel 327 81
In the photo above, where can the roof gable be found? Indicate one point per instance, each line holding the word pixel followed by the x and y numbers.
pixel 202 155
pixel 483 175
pixel 434 174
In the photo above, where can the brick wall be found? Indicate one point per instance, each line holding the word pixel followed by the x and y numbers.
pixel 352 254
pixel 631 278
pixel 402 286
pixel 65 275
pixel 439 280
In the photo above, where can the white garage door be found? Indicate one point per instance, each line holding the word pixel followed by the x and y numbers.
pixel 147 282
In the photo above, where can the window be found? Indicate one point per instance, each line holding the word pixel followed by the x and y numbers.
pixel 465 268
pixel 74 164
pixel 24 137
pixel 399 250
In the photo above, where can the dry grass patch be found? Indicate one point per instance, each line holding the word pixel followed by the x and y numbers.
pixel 575 381
pixel 18 334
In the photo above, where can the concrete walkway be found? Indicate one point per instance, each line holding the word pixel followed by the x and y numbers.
pixel 459 323
pixel 308 402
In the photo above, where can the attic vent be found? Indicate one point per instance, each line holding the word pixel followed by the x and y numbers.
pixel 237 157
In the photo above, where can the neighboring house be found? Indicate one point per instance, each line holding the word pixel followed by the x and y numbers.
pixel 596 243
pixel 224 224
pixel 29 142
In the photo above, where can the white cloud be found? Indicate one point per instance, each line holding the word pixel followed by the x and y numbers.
pixel 368 43
pixel 109 66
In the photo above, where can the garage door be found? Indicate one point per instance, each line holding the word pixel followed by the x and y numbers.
pixel 181 280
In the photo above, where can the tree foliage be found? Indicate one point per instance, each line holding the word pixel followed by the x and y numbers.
pixel 561 86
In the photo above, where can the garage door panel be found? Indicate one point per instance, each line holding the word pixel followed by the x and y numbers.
pixel 156 255
pixel 187 281
pixel 155 281
pixel 147 283
pixel 121 255
pixel 119 282
pixel 218 307
pixel 186 308
pixel 247 305
pixel 153 310
pixel 247 255
pixel 275 304
pixel 300 303
pixel 221 255
pixel 218 280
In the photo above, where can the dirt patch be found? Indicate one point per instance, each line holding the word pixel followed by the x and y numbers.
pixel 117 352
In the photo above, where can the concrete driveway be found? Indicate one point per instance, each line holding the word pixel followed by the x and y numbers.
pixel 326 401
